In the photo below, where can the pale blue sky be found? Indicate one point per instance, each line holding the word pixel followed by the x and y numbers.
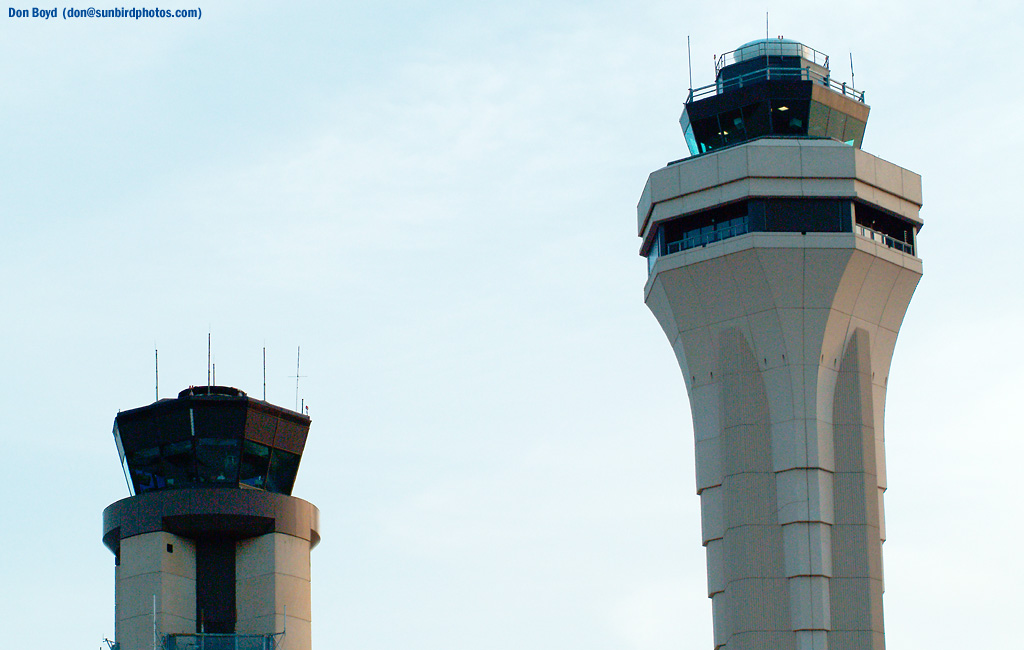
pixel 436 200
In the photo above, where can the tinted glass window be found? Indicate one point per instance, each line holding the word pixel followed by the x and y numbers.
pixel 817 120
pixel 145 468
pixel 217 460
pixel 732 127
pixel 283 467
pixel 807 215
pixel 179 463
pixel 854 132
pixel 255 464
pixel 789 117
pixel 836 126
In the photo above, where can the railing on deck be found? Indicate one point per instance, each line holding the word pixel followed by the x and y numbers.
pixel 769 49
pixel 740 226
pixel 709 234
pixel 202 641
pixel 779 72
pixel 882 238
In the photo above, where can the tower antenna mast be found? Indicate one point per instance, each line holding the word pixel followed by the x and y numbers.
pixel 689 63
pixel 298 355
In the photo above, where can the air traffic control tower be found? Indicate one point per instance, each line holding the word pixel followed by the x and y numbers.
pixel 211 550
pixel 782 259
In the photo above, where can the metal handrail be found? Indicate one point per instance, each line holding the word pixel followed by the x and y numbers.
pixel 888 240
pixel 776 72
pixel 769 48
pixel 698 237
pixel 208 640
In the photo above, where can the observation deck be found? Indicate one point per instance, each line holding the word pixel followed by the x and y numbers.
pixel 772 87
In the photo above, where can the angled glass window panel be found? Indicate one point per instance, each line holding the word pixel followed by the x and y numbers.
pixel 817 120
pixel 173 424
pixel 733 127
pixel 854 132
pixel 128 476
pixel 691 142
pixel 146 481
pixel 179 463
pixel 217 460
pixel 145 470
pixel 149 456
pixel 707 133
pixel 218 418
pixel 260 425
pixel 255 463
pixel 789 116
pixel 117 441
pixel 755 118
pixel 124 459
pixel 290 435
pixel 283 467
pixel 837 126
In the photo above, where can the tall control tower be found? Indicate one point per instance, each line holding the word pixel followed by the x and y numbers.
pixel 782 259
pixel 211 551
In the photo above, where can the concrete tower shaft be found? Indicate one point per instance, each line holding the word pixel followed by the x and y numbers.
pixel 781 270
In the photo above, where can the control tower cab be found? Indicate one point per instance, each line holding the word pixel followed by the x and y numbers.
pixel 773 87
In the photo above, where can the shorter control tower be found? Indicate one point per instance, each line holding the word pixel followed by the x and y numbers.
pixel 211 550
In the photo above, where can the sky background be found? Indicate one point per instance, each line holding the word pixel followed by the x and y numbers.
pixel 436 201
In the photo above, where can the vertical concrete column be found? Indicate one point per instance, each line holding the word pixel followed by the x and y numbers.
pixel 272 582
pixel 157 565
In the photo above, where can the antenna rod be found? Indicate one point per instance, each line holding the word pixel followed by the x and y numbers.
pixel 156 367
pixel 209 359
pixel 767 48
pixel 689 63
pixel 214 374
pixel 264 373
pixel 852 80
pixel 298 353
